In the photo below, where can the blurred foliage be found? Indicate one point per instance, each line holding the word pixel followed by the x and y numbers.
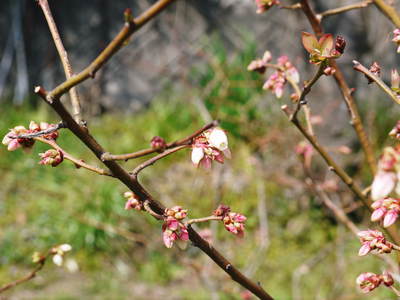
pixel 120 253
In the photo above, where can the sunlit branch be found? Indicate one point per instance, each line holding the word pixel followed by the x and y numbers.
pixel 360 68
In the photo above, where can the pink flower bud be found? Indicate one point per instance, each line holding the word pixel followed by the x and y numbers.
pixel 176 212
pixel 387 278
pixel 396 38
pixel 368 281
pixel 197 155
pixel 132 201
pixel 173 230
pixel 158 143
pixel 51 157
pixel 221 210
pixel 390 217
pixel 395 80
pixel 234 223
pixel 383 184
pixel 378 214
pixel 264 5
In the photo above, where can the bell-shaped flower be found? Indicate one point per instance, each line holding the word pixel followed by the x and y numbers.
pixel 210 145
pixel 59 252
pixel 260 65
pixel 13 143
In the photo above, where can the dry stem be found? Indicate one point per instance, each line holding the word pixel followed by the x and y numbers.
pixel 76 105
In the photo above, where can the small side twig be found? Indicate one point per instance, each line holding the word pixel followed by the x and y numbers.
pixel 362 69
pixel 307 90
pixel 205 219
pixel 185 141
pixel 152 160
pixel 75 101
pixel 147 208
pixel 41 133
pixel 339 10
pixel 78 162
pixel 29 276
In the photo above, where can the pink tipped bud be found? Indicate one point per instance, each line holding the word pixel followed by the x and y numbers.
pixel 368 281
pixel 329 71
pixel 221 210
pixel 395 80
pixel 387 278
pixel 390 217
pixel 378 214
pixel 51 157
pixel 340 44
pixel 176 212
pixel 158 143
pixel 132 201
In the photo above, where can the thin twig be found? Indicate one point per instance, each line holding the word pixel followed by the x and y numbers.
pixel 293 6
pixel 117 43
pixel 389 11
pixel 205 219
pixel 29 276
pixel 40 133
pixel 362 69
pixel 153 160
pixel 395 291
pixel 307 89
pixel 185 141
pixel 76 105
pixel 78 162
pixel 343 9
pixel 345 90
pixel 147 208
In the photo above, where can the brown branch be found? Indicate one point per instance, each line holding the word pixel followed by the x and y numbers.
pixel 147 208
pixel 78 162
pixel 307 89
pixel 343 9
pixel 153 160
pixel 389 11
pixel 360 68
pixel 76 105
pixel 27 277
pixel 117 43
pixel 346 92
pixel 224 264
pixel 185 141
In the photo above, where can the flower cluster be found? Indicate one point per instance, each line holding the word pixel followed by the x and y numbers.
pixel 211 145
pixel 132 202
pixel 284 71
pixel 51 157
pixel 395 132
pixel 264 5
pixel 386 178
pixel 387 209
pixel 233 222
pixel 323 49
pixel 13 143
pixel 369 281
pixel 396 38
pixel 173 229
pixel 373 240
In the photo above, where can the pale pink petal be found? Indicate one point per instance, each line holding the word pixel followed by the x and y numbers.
pixel 383 184
pixel 197 155
pixel 13 145
pixel 227 153
pixel 390 218
pixel 378 214
pixel 364 250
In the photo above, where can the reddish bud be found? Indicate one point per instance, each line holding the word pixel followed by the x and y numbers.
pixel 158 143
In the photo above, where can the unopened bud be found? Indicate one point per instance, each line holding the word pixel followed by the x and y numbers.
pixel 340 44
pixel 158 143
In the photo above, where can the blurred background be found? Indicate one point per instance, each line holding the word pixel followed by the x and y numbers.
pixel 182 70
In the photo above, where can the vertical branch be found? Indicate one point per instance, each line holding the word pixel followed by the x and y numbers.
pixel 346 92
pixel 75 101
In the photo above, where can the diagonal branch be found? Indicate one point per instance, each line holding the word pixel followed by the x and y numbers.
pixel 185 141
pixel 117 43
pixel 389 11
pixel 76 105
pixel 339 10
